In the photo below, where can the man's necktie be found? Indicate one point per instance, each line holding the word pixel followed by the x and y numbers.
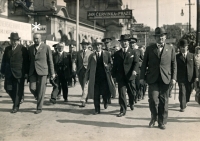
pixel 83 53
pixel 124 52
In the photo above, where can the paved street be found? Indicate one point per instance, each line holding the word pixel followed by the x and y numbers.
pixel 66 121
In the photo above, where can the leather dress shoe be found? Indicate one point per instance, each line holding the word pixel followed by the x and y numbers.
pixel 121 114
pixel 182 110
pixel 162 126
pixel 38 111
pixel 66 100
pixel 14 110
pixel 83 104
pixel 152 123
pixel 52 101
pixel 132 107
pixel 96 113
pixel 22 100
pixel 105 105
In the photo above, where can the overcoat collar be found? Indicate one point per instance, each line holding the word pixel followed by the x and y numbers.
pixel 102 53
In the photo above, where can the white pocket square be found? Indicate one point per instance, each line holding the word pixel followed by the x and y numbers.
pixel 132 56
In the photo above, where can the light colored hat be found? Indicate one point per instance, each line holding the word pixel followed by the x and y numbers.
pixel 98 41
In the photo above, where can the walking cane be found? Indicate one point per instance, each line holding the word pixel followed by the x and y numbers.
pixel 175 92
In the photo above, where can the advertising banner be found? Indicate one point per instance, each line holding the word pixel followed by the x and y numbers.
pixel 101 15
pixel 8 26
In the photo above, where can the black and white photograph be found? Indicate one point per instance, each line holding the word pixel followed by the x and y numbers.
pixel 93 70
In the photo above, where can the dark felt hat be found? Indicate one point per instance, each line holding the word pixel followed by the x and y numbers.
pixel 133 40
pixel 160 31
pixel 183 43
pixel 85 41
pixel 55 46
pixel 14 35
pixel 124 37
pixel 106 40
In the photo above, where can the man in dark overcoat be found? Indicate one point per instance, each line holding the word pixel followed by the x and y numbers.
pixel 124 70
pixel 187 72
pixel 63 69
pixel 14 66
pixel 159 66
pixel 99 75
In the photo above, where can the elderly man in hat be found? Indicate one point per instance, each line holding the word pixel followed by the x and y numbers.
pixel 63 69
pixel 106 43
pixel 140 55
pixel 99 75
pixel 81 66
pixel 187 73
pixel 41 65
pixel 125 67
pixel 14 66
pixel 159 70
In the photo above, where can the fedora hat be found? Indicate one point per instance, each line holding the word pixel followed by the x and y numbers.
pixel 183 43
pixel 98 41
pixel 85 41
pixel 55 46
pixel 160 31
pixel 106 40
pixel 133 40
pixel 124 37
pixel 14 36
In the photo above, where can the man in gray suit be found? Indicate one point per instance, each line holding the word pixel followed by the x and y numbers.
pixel 81 66
pixel 159 66
pixel 41 64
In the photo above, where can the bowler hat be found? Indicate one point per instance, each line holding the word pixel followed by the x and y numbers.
pixel 133 40
pixel 124 37
pixel 60 45
pixel 106 40
pixel 159 31
pixel 98 41
pixel 85 41
pixel 183 43
pixel 55 46
pixel 14 36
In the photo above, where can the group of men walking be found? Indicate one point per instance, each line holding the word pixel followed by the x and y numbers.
pixel 98 72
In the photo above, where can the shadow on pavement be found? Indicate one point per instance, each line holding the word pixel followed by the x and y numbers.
pixel 173 119
pixel 102 124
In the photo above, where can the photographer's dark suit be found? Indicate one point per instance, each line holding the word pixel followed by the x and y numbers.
pixel 63 69
pixel 123 67
pixel 186 73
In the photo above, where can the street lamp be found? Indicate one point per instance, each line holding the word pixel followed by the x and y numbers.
pixel 182 14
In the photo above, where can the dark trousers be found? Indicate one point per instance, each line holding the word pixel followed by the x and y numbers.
pixel 15 88
pixel 185 90
pixel 138 87
pixel 100 88
pixel 61 85
pixel 38 88
pixel 131 90
pixel 158 101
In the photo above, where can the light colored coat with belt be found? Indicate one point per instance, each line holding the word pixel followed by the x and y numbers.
pixel 91 71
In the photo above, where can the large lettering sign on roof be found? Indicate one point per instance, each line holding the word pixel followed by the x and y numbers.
pixel 7 26
pixel 101 15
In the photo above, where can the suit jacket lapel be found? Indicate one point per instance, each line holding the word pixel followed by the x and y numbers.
pixel 94 56
pixel 121 53
pixel 40 48
pixel 156 51
pixel 81 53
pixel 16 49
pixel 182 58
pixel 127 54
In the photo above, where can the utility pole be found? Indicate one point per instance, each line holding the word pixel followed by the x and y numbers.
pixel 198 23
pixel 189 14
pixel 157 14
pixel 77 25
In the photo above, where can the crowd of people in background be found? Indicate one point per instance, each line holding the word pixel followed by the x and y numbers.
pixel 101 69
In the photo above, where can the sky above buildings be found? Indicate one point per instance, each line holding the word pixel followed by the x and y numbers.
pixel 144 11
